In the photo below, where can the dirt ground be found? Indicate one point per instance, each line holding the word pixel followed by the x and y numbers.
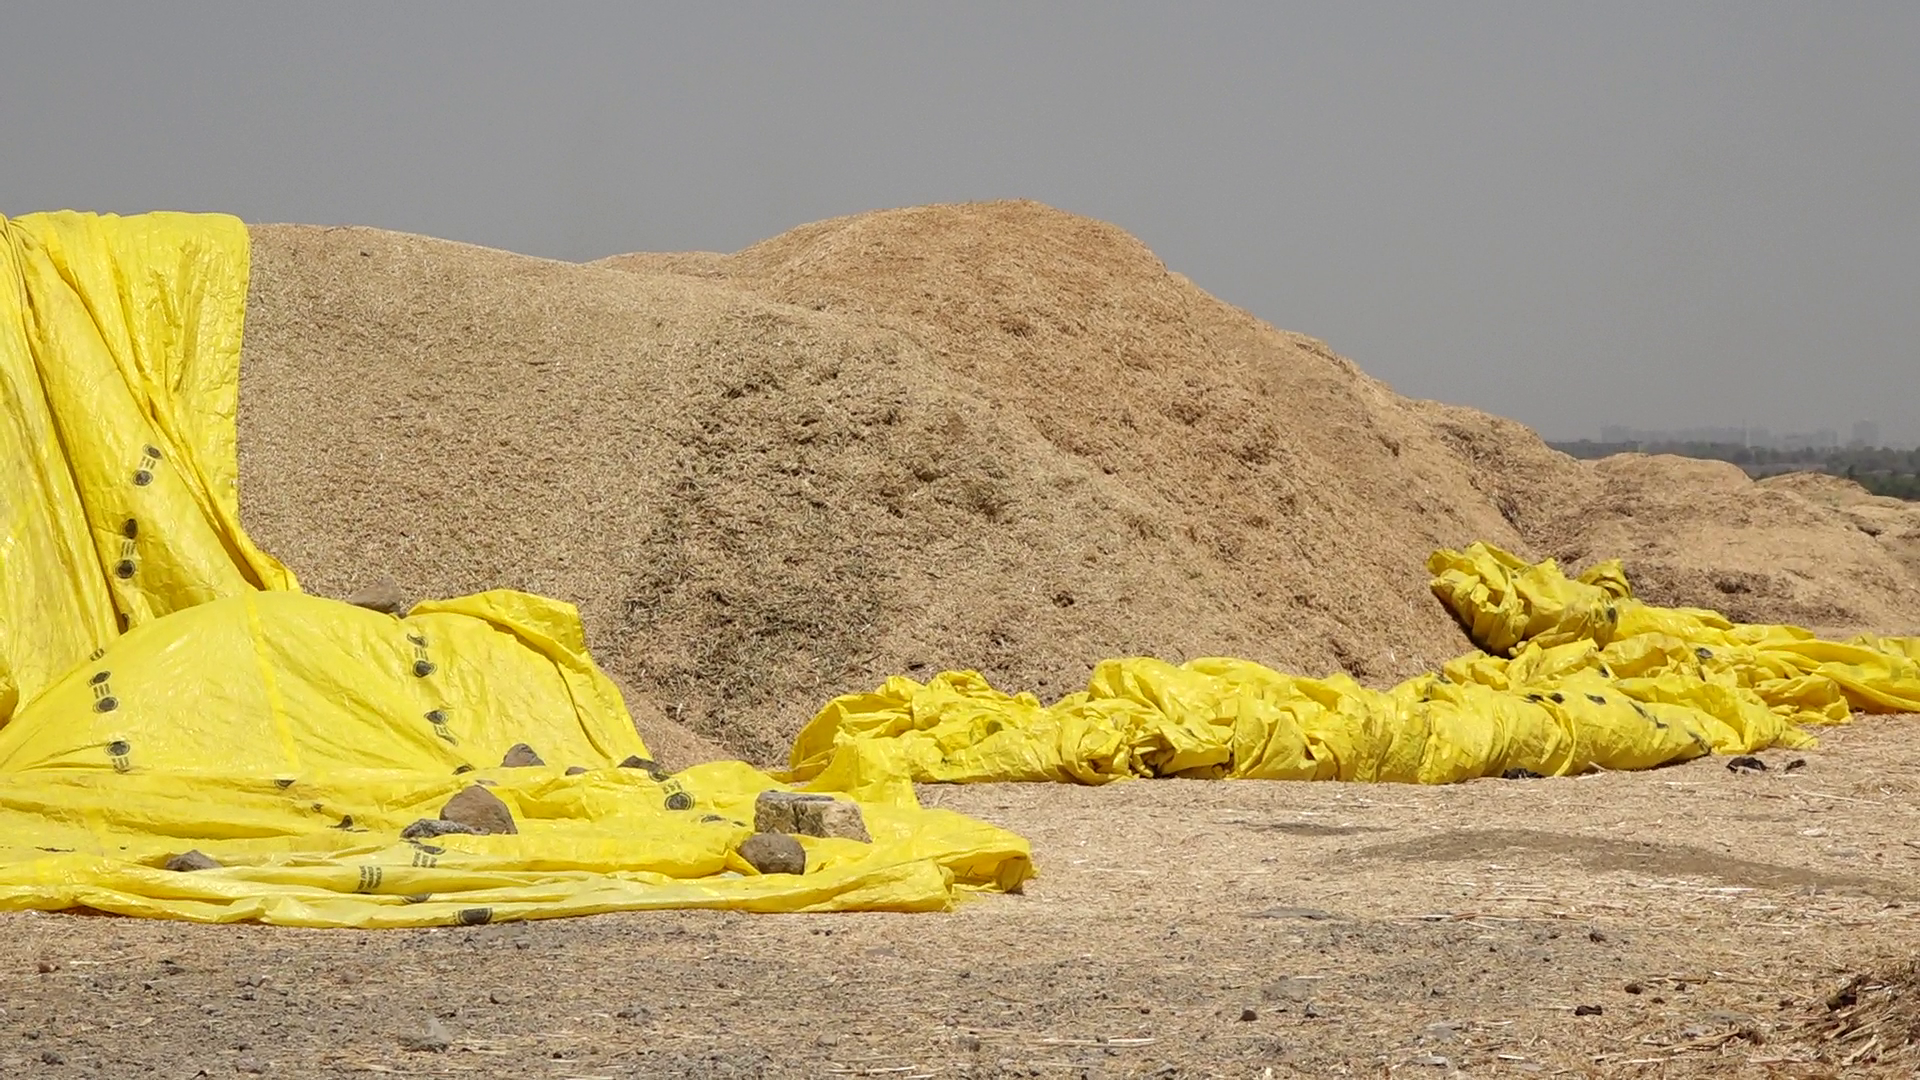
pixel 1682 922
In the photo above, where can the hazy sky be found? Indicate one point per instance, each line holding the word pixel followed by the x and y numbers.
pixel 1656 214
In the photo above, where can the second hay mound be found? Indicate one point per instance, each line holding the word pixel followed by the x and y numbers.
pixel 994 436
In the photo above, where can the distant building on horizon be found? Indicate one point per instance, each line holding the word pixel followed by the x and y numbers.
pixel 1756 437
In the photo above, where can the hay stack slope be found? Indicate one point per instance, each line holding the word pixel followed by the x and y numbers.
pixel 994 436
pixel 1701 534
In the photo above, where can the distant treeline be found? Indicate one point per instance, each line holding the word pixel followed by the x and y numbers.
pixel 1883 472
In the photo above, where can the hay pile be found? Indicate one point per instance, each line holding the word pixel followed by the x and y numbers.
pixel 994 436
pixel 1700 533
pixel 1895 523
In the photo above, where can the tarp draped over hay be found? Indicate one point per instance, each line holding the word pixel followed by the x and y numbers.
pixel 165 687
pixel 1575 674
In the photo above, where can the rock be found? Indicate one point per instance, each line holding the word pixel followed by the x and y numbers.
pixel 1249 1014
pixel 809 815
pixel 428 828
pixel 520 756
pixel 430 1039
pixel 52 1057
pixel 1289 989
pixel 1635 988
pixel 1747 762
pixel 653 769
pixel 250 1065
pixel 773 811
pixel 192 860
pixel 480 810
pixel 774 853
pixel 383 596
pixel 1588 1010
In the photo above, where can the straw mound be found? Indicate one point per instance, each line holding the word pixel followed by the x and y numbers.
pixel 1895 523
pixel 993 436
pixel 1700 533
pixel 1873 1019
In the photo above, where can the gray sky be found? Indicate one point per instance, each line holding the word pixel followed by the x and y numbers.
pixel 1657 214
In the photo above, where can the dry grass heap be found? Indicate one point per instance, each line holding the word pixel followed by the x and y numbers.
pixel 994 436
pixel 1871 1020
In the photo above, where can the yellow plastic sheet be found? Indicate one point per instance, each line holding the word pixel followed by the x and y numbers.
pixel 1575 674
pixel 119 378
pixel 165 687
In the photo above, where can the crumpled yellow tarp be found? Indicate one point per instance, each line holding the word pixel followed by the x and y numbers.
pixel 165 687
pixel 1575 674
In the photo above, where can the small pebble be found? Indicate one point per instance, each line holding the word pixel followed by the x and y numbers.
pixel 1587 1010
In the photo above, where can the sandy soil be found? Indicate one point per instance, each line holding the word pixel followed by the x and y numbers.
pixel 1178 929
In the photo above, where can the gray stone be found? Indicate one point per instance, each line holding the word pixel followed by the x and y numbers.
pixel 192 860
pixel 774 853
pixel 381 596
pixel 480 810
pixel 427 828
pixel 430 1039
pixel 1288 989
pixel 809 815
pixel 653 769
pixel 520 756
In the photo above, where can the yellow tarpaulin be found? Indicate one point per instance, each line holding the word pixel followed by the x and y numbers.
pixel 165 687
pixel 1576 674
